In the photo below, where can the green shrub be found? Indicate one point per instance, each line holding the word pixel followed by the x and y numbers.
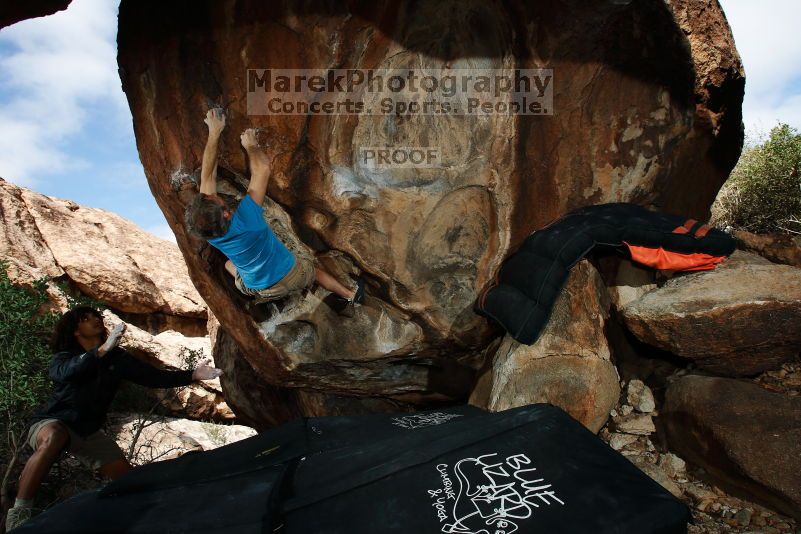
pixel 24 354
pixel 763 193
pixel 24 360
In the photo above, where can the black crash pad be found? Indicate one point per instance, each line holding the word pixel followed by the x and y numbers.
pixel 461 470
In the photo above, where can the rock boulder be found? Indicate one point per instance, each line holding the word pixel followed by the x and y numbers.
pixel 13 12
pixel 746 438
pixel 570 364
pixel 737 320
pixel 143 278
pixel 778 248
pixel 646 108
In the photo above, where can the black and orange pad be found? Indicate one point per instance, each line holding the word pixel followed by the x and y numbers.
pixel 521 296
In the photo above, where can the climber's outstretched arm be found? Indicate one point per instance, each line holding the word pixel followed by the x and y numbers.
pixel 260 166
pixel 215 119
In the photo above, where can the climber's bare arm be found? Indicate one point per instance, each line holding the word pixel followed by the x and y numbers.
pixel 260 166
pixel 215 119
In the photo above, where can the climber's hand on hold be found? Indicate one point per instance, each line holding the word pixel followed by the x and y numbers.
pixel 215 120
pixel 249 139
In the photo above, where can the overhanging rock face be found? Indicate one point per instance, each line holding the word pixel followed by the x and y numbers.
pixel 13 12
pixel 646 108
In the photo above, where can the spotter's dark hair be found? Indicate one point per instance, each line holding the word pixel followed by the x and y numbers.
pixel 63 338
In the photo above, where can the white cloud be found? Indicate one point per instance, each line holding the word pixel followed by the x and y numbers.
pixel 767 37
pixel 55 68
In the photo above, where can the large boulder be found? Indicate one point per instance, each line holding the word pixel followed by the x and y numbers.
pixel 737 320
pixel 569 366
pixel 646 108
pixel 142 277
pixel 745 438
pixel 262 405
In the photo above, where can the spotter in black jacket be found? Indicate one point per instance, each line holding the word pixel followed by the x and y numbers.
pixel 85 385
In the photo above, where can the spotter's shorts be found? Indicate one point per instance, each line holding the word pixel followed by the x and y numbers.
pixel 94 450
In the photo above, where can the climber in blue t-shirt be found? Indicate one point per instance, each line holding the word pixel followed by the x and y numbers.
pixel 262 266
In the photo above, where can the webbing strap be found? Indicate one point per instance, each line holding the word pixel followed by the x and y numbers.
pixel 686 227
pixel 463 435
pixel 702 231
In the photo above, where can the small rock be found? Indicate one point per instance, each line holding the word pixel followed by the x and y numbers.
pixel 640 396
pixel 698 494
pixel 636 446
pixel 743 517
pixel 626 409
pixel 703 505
pixel 658 475
pixel 617 441
pixel 672 465
pixel 639 424
pixel 793 379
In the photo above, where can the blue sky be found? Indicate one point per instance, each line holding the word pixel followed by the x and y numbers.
pixel 69 134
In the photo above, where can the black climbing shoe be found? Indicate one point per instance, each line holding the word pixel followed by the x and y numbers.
pixel 343 306
pixel 349 310
pixel 339 305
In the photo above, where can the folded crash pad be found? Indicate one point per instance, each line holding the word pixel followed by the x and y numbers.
pixel 522 294
pixel 528 470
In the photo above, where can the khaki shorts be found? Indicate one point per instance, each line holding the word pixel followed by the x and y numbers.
pixel 94 451
pixel 299 277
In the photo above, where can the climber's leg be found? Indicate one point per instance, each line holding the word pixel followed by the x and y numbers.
pixel 332 284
